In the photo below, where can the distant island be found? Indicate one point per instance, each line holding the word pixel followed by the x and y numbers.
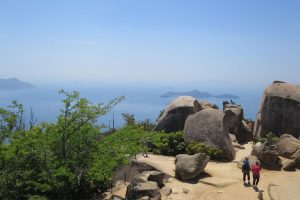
pixel 199 94
pixel 14 84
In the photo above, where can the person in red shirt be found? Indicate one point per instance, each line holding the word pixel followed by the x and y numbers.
pixel 256 173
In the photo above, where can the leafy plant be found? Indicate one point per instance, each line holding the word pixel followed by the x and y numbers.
pixel 55 160
pixel 194 147
pixel 169 144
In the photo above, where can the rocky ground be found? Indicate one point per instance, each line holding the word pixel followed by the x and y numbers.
pixel 222 181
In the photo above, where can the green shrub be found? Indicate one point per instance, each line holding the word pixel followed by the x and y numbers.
pixel 262 140
pixel 61 160
pixel 195 147
pixel 271 137
pixel 169 144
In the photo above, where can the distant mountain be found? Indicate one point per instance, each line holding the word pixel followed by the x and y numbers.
pixel 14 84
pixel 198 94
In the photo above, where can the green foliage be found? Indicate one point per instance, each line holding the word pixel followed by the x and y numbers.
pixel 11 120
pixel 262 140
pixel 55 161
pixel 195 147
pixel 116 149
pixel 128 118
pixel 270 137
pixel 169 144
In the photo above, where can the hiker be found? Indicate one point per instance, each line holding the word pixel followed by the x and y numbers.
pixel 246 170
pixel 256 174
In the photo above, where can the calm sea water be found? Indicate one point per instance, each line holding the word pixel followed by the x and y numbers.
pixel 142 102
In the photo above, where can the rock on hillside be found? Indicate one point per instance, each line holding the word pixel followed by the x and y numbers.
pixel 209 127
pixel 190 166
pixel 175 114
pixel 279 111
pixel 234 115
pixel 143 190
pixel 287 145
pixel 267 153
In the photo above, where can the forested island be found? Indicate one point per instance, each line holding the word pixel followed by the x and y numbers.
pixel 199 94
pixel 14 84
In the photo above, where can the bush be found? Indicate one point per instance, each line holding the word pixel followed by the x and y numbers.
pixel 262 140
pixel 270 137
pixel 169 144
pixel 62 160
pixel 195 147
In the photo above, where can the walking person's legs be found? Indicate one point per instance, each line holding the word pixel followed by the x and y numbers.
pixel 248 176
pixel 257 180
pixel 254 180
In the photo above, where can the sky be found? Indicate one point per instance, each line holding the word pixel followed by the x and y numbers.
pixel 150 41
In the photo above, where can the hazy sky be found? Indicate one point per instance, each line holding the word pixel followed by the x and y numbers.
pixel 150 40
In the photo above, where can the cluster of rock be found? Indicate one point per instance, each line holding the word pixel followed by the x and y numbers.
pixel 284 153
pixel 289 151
pixel 236 124
pixel 279 113
pixel 204 122
pixel 175 114
pixel 147 186
pixel 267 153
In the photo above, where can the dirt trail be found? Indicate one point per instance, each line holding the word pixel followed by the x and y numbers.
pixel 223 181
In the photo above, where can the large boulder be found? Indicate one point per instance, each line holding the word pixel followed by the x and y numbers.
pixel 287 145
pixel 154 176
pixel 190 166
pixel 287 164
pixel 243 133
pixel 139 190
pixel 208 127
pixel 234 116
pixel 157 177
pixel 279 111
pixel 175 114
pixel 267 153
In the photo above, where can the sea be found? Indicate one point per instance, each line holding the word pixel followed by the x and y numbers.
pixel 144 102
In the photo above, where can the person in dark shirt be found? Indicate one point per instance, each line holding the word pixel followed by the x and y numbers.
pixel 246 170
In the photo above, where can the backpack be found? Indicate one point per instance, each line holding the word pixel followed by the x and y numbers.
pixel 246 166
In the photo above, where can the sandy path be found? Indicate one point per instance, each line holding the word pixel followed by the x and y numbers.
pixel 223 181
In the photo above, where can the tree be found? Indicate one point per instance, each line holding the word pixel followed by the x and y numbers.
pixel 128 118
pixel 51 160
pixel 11 120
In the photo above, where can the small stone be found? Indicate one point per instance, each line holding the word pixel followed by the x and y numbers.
pixel 170 180
pixel 166 191
pixel 185 191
